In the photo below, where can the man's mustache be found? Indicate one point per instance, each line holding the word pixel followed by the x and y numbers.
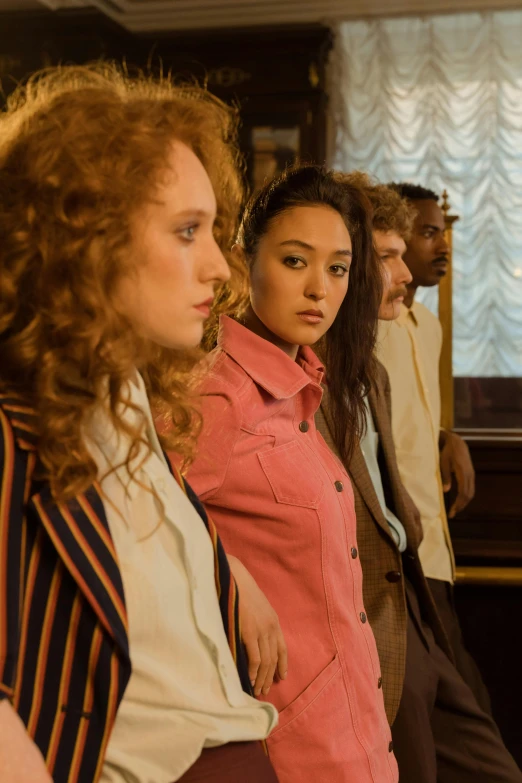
pixel 395 293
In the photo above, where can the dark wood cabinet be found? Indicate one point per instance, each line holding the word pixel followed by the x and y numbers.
pixel 487 538
pixel 275 77
pixel 489 531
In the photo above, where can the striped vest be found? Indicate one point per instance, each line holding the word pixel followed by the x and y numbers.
pixel 64 651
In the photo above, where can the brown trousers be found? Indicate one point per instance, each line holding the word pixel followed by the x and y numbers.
pixel 237 762
pixel 442 593
pixel 441 734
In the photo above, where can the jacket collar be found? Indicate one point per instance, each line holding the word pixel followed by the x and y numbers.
pixel 267 365
pixel 22 418
pixel 380 405
pixel 80 533
pixel 356 469
pixel 405 313
pixel 114 446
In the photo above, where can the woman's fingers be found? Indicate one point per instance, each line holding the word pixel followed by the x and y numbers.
pixel 282 655
pixel 260 631
pixel 264 666
pixel 267 656
pixel 269 679
pixel 253 655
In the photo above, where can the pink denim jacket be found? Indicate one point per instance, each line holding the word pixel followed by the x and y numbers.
pixel 283 505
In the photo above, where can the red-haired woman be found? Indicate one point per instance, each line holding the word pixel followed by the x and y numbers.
pixel 116 195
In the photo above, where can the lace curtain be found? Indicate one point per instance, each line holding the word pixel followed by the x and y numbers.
pixel 438 101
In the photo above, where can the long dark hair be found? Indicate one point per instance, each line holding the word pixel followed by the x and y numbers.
pixel 347 347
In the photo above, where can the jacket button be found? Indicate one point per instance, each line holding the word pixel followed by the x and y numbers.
pixel 393 576
pixel 363 617
pixel 339 486
pixel 390 747
pixel 353 552
pixel 379 682
pixel 304 426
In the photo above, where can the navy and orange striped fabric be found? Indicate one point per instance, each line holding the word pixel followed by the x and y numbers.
pixel 64 654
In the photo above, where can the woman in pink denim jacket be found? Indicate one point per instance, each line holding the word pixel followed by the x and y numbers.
pixel 281 500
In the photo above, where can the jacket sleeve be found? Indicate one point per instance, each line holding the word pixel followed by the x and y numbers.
pixel 13 463
pixel 221 427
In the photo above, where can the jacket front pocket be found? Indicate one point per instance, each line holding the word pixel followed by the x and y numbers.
pixel 296 710
pixel 315 742
pixel 292 475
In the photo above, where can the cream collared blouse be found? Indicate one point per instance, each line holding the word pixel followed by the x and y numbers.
pixel 184 693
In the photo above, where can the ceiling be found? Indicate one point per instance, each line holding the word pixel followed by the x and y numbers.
pixel 149 15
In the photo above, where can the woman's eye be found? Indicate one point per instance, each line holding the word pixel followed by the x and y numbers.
pixel 338 270
pixel 189 232
pixel 294 262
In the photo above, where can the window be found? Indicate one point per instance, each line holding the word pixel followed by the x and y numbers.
pixel 437 101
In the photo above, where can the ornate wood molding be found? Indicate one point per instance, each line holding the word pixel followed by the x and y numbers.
pixel 227 76
pixel 153 15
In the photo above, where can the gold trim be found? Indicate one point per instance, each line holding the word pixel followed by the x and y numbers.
pixel 498 576
pixel 313 75
pixel 227 76
pixel 446 319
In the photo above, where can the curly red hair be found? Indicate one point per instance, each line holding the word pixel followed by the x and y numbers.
pixel 81 150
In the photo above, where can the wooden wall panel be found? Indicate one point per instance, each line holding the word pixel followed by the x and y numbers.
pixel 493 634
pixel 274 76
pixel 489 530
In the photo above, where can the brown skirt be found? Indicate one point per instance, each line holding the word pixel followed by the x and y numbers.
pixel 237 762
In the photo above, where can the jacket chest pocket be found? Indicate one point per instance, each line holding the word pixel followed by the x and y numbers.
pixel 292 475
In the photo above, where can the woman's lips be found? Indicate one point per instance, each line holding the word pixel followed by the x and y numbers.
pixel 311 316
pixel 204 307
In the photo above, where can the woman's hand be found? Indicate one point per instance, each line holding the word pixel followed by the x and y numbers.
pixel 20 759
pixel 260 631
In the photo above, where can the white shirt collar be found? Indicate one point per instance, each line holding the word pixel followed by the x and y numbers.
pixel 115 445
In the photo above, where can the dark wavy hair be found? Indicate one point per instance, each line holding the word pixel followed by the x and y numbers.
pixel 82 149
pixel 413 192
pixel 347 347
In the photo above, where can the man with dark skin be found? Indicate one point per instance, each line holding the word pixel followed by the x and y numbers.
pixel 427 257
pixel 429 456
